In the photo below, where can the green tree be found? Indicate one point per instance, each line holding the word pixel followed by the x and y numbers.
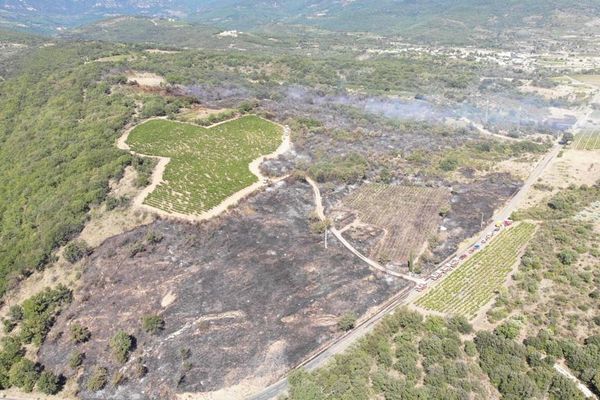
pixel 24 374
pixel 48 383
pixel 121 345
pixel 347 321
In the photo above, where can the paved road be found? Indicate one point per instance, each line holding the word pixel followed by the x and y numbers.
pixel 407 294
pixel 338 346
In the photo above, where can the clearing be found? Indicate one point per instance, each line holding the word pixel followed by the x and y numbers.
pixel 206 165
pixel 473 284
pixel 407 215
pixel 145 79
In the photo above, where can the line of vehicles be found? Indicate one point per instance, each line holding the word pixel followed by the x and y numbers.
pixel 457 259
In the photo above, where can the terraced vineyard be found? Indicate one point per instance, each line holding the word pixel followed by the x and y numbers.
pixel 408 215
pixel 587 141
pixel 207 165
pixel 473 284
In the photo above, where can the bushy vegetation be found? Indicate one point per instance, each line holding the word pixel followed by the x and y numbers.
pixel 76 250
pixel 519 372
pixel 98 379
pixel 24 374
pixel 39 312
pixel 153 324
pixel 121 345
pixel 562 205
pixel 347 321
pixel 75 359
pixel 79 333
pixel 34 318
pixel 48 383
pixel 347 169
pixel 406 357
pixel 58 124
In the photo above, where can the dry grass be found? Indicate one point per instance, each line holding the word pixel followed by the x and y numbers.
pixel 409 215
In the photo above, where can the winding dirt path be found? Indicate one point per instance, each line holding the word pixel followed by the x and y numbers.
pixel 338 234
pixel 235 198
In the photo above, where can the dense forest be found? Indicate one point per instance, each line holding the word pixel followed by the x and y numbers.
pixel 58 125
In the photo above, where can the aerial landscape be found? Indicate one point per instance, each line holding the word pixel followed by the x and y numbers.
pixel 299 199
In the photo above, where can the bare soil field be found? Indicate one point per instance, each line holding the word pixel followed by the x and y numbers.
pixel 145 78
pixel 578 167
pixel 408 215
pixel 250 294
pixel 198 112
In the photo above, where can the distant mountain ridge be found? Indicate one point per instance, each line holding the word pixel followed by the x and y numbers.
pixel 410 17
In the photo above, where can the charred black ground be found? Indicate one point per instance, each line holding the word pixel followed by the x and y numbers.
pixel 252 294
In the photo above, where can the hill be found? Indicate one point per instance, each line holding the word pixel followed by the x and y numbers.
pixel 429 20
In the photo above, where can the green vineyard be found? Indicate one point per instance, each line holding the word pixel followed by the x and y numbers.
pixel 207 165
pixel 474 283
pixel 587 141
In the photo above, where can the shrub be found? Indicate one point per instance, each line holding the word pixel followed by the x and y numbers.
pixel 115 202
pixel 23 374
pixel 449 163
pixel 48 383
pixel 136 248
pixel 16 313
pixel 97 379
pixel 40 310
pixel 347 321
pixel 460 324
pixel 153 237
pixel 79 333
pixel 319 227
pixel 348 169
pixel 121 344
pixel 117 378
pixel 8 325
pixel 76 359
pixel 76 250
pixel 509 330
pixel 470 349
pixel 567 257
pixel 153 324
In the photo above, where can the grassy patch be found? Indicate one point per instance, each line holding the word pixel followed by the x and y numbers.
pixel 207 165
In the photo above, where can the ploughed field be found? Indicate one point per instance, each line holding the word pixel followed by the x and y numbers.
pixel 249 294
pixel 473 284
pixel 207 164
pixel 408 215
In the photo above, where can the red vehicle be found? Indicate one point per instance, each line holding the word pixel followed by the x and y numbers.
pixel 508 222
